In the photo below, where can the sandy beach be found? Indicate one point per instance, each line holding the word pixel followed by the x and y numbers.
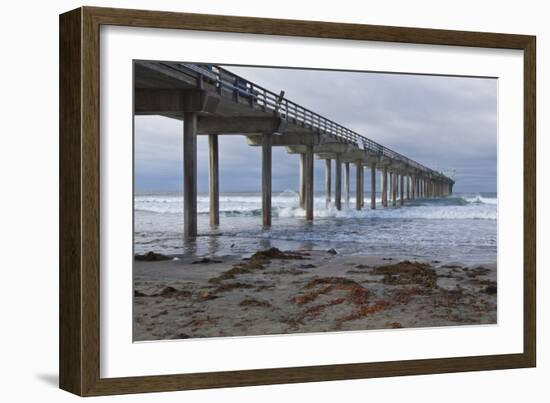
pixel 298 291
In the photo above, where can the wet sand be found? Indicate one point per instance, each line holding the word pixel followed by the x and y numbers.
pixel 282 292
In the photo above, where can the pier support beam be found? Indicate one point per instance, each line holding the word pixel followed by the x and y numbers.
pixel 346 183
pixel 401 188
pixel 373 185
pixel 362 193
pixel 266 179
pixel 409 187
pixel 394 189
pixel 426 188
pixel 385 186
pixel 390 185
pixel 309 182
pixel 302 190
pixel 213 180
pixel 328 185
pixel 358 188
pixel 189 175
pixel 338 181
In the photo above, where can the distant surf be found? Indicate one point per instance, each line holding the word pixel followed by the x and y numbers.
pixel 286 204
pixel 461 226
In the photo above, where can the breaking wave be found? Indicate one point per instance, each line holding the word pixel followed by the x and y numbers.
pixel 286 204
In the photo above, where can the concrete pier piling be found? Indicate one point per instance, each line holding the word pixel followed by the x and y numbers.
pixel 266 178
pixel 309 191
pixel 302 190
pixel 346 183
pixel 190 175
pixel 213 180
pixel 384 186
pixel 358 183
pixel 362 193
pixel 394 190
pixel 338 181
pixel 401 187
pixel 373 185
pixel 390 186
pixel 328 175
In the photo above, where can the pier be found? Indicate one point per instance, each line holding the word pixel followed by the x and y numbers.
pixel 213 101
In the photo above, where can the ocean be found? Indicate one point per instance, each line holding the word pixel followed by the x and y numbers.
pixel 461 227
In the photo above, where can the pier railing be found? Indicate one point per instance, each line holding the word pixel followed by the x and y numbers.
pixel 239 88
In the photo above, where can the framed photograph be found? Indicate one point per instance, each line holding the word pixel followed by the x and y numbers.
pixel 249 201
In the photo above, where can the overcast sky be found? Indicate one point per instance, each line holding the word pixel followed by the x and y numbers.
pixel 445 123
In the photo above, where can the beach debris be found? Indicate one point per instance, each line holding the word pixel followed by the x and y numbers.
pixel 356 293
pixel 182 336
pixel 332 251
pixel 166 292
pixel 206 260
pixel 316 310
pixel 161 313
pixel 291 271
pixel 257 261
pixel 477 271
pixel 196 322
pixel 151 257
pixel 449 298
pixel 490 289
pixel 307 266
pixel 264 287
pixel 394 325
pixel 452 266
pixel 207 295
pixel 362 266
pixel 363 311
pixel 171 292
pixel 275 253
pixel 255 302
pixel 407 272
pixel 404 295
pixel 224 287
pixel 311 312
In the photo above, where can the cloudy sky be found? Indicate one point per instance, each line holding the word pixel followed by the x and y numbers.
pixel 445 123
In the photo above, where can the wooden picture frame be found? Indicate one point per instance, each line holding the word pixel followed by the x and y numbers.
pixel 79 201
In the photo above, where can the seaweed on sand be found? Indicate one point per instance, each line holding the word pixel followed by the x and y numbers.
pixel 407 272
pixel 255 302
pixel 356 293
pixel 151 257
pixel 257 261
